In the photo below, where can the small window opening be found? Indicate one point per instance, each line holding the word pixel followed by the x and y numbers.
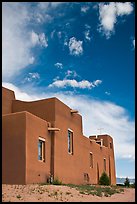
pixel 41 150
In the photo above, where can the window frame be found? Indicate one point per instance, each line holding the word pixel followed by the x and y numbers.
pixel 41 157
pixel 91 159
pixel 70 141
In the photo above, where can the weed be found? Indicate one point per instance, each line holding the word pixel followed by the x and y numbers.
pixel 96 189
pixel 56 182
pixel 68 193
pixel 18 196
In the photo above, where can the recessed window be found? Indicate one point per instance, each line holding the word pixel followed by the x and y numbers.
pixel 41 149
pixel 70 141
pixel 104 164
pixel 86 177
pixel 110 145
pixel 91 160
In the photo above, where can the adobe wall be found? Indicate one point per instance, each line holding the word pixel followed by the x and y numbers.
pixel 44 109
pixel 37 171
pixel 13 148
pixel 107 140
pixel 20 134
pixel 7 97
pixel 71 168
pixel 68 168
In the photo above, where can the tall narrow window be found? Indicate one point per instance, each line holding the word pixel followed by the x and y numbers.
pixel 70 141
pixel 91 160
pixel 41 149
pixel 110 145
pixel 104 164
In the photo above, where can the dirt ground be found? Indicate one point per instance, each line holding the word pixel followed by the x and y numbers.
pixel 53 193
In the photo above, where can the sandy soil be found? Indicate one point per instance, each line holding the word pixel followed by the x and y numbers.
pixel 52 193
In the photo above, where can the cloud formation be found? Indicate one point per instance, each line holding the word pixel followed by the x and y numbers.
pixel 31 77
pixel 58 65
pixel 134 43
pixel 108 14
pixel 87 35
pixel 39 39
pixel 75 46
pixel 75 84
pixel 84 9
pixel 107 93
pixel 16 46
pixel 71 73
pixel 95 113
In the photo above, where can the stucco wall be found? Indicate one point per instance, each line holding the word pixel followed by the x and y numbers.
pixel 37 171
pixel 13 148
pixel 44 109
pixel 20 140
pixel 7 97
pixel 71 168
pixel 20 134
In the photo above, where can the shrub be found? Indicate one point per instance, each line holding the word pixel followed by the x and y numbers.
pixel 127 182
pixel 132 185
pixel 104 179
pixel 56 182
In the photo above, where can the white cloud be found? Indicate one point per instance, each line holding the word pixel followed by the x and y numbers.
pixel 87 26
pixel 31 77
pixel 124 8
pixel 134 43
pixel 71 73
pixel 97 82
pixel 75 84
pixel 43 40
pixel 59 34
pixel 108 15
pixel 39 39
pixel 65 42
pixel 19 94
pixel 75 46
pixel 52 34
pixel 40 15
pixel 84 9
pixel 31 60
pixel 95 113
pixel 16 53
pixel 107 93
pixel 56 4
pixel 34 38
pixel 59 65
pixel 44 5
pixel 16 43
pixel 48 5
pixel 87 35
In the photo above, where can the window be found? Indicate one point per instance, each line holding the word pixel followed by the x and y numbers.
pixel 70 141
pixel 86 177
pixel 104 164
pixel 41 149
pixel 91 160
pixel 110 145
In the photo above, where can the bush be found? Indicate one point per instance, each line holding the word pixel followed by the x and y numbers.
pixel 132 185
pixel 104 179
pixel 56 182
pixel 127 182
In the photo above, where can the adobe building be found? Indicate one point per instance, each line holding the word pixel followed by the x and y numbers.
pixel 45 137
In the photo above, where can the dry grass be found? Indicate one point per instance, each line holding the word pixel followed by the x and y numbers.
pixel 66 193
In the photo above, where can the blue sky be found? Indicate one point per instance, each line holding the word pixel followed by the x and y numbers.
pixel 82 53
